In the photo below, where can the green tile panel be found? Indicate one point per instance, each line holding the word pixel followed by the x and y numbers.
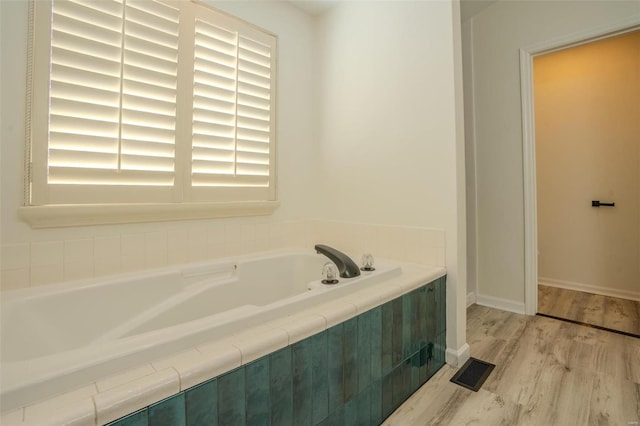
pixel 354 373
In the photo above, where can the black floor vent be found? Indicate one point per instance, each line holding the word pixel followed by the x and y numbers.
pixel 473 374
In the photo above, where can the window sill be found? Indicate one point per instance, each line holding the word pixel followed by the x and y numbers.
pixel 57 216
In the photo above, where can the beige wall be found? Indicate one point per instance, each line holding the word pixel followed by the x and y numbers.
pixel 587 109
pixel 498 33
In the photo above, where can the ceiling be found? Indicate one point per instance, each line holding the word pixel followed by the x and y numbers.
pixel 468 8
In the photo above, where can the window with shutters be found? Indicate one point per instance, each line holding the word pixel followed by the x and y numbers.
pixel 150 102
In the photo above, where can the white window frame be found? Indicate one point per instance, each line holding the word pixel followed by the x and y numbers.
pixel 48 205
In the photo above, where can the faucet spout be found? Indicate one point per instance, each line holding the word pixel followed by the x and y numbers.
pixel 346 266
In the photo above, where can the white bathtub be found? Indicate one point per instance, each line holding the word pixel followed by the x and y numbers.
pixel 60 337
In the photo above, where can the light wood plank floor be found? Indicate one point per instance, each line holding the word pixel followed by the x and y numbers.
pixel 595 309
pixel 548 372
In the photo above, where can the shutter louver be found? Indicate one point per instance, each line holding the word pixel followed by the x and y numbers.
pixel 113 93
pixel 232 109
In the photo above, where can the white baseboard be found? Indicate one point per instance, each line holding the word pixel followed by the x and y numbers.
pixel 499 303
pixel 605 291
pixel 471 298
pixel 457 358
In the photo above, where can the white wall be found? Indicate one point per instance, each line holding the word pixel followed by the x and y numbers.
pixel 498 33
pixel 390 96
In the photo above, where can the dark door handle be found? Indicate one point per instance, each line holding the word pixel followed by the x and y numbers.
pixel 597 203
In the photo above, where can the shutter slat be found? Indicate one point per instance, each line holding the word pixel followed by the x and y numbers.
pixel 142 133
pixel 81 28
pixel 212 129
pixel 213 81
pixel 63 90
pixel 146 163
pixel 218 105
pixel 151 47
pixel 248 169
pixel 253 135
pixel 152 149
pixel 148 91
pixel 139 103
pixel 152 62
pixel 228 181
pixel 79 126
pixel 252 158
pixel 254 101
pixel 84 142
pixel 65 62
pixel 85 46
pixel 82 159
pixel 254 60
pixel 143 13
pixel 212 116
pixel 208 141
pixel 84 110
pixel 100 14
pixel 253 112
pixel 145 32
pixel 253 124
pixel 78 176
pixel 156 8
pixel 253 146
pixel 255 46
pixel 149 77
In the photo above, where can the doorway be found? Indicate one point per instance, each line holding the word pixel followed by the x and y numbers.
pixel 587 153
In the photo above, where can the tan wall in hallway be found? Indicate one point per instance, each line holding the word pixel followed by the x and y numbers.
pixel 587 109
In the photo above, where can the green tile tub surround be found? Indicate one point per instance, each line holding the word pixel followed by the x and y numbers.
pixel 354 373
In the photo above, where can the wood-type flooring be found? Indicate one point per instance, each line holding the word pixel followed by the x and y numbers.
pixel 548 372
pixel 602 311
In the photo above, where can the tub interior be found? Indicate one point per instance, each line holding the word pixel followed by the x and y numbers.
pixel 76 333
pixel 56 321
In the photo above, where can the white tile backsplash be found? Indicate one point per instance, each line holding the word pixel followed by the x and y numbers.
pixel 14 256
pixel 132 245
pixel 46 274
pixel 155 250
pixel 78 251
pixel 107 247
pixel 45 262
pixel 78 270
pixel 47 253
pixel 13 279
pixel 107 266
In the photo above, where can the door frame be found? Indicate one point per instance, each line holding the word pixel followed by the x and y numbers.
pixel 528 141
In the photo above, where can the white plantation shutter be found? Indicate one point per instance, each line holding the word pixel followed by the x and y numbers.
pixel 113 92
pixel 232 109
pixel 129 118
pixel 233 128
